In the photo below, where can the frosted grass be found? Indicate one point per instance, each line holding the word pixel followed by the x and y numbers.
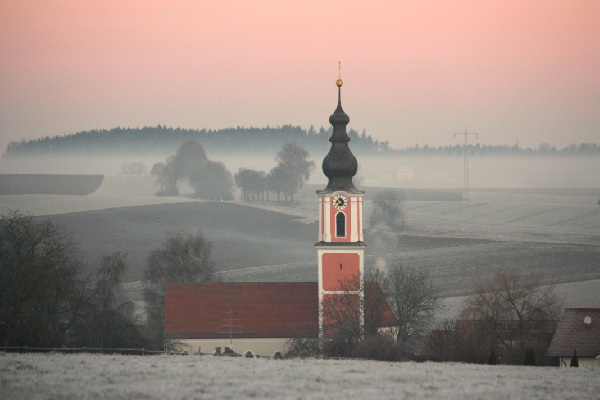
pixel 87 376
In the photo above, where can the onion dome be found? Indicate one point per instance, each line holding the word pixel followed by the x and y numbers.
pixel 339 165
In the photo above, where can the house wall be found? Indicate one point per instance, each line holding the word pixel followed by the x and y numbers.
pixel 583 362
pixel 259 346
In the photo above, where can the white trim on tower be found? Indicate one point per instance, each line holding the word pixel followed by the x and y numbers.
pixel 326 220
pixel 321 226
pixel 320 267
pixel 354 218
pixel 360 218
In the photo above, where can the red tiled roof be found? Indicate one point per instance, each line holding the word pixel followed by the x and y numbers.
pixel 373 291
pixel 573 333
pixel 260 309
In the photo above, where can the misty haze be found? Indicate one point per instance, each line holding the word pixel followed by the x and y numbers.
pixel 537 214
pixel 534 212
pixel 180 207
pixel 401 171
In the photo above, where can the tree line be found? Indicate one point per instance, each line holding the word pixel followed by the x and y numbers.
pixel 158 138
pixel 285 179
pixel 477 149
pixel 509 318
pixel 211 180
pixel 121 140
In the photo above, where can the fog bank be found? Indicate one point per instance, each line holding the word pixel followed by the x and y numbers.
pixel 443 172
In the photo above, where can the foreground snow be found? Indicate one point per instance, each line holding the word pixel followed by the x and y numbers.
pixel 87 376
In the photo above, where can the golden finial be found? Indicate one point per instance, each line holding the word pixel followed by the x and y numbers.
pixel 339 82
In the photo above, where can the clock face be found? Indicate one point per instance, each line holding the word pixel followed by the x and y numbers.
pixel 340 201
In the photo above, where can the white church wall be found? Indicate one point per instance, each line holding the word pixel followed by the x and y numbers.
pixel 264 347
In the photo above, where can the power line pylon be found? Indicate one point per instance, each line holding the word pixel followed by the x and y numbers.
pixel 466 159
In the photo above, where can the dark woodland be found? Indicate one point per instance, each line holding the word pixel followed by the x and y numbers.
pixel 160 139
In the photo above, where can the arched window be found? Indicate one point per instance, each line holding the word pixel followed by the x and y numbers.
pixel 340 224
pixel 249 354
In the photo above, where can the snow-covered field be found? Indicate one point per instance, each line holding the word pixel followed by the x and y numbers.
pixel 508 217
pixel 517 224
pixel 86 376
pixel 47 204
pixel 115 191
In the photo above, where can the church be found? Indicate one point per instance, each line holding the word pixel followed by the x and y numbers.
pixel 259 318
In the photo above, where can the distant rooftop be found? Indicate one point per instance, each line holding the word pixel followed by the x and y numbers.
pixel 579 329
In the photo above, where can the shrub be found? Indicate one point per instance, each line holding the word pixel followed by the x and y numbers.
pixel 530 357
pixel 380 347
pixel 492 358
pixel 303 347
pixel 574 360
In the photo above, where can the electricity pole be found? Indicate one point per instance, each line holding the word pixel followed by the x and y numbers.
pixel 466 159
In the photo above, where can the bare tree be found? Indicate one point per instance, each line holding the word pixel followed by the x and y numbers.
pixel 512 296
pixel 167 179
pixel 280 181
pixel 210 179
pixel 342 329
pixel 252 183
pixel 294 165
pixel 342 313
pixel 190 156
pixel 388 210
pixel 342 325
pixel 108 278
pixel 182 258
pixel 107 321
pixel 116 325
pixel 42 282
pixel 447 341
pixel 157 169
pixel 414 299
pixel 212 182
pixel 459 341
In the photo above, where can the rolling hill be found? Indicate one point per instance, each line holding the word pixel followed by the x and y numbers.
pixel 458 241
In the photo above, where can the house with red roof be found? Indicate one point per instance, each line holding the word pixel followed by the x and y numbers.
pixel 257 318
pixel 578 330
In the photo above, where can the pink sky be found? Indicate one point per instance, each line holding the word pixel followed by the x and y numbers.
pixel 414 71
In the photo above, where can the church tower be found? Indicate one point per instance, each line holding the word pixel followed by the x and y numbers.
pixel 340 249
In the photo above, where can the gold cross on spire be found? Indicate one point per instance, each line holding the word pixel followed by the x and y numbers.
pixel 339 82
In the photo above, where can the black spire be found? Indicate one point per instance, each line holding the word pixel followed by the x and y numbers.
pixel 339 165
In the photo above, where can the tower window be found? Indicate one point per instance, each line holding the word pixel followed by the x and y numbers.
pixel 340 224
